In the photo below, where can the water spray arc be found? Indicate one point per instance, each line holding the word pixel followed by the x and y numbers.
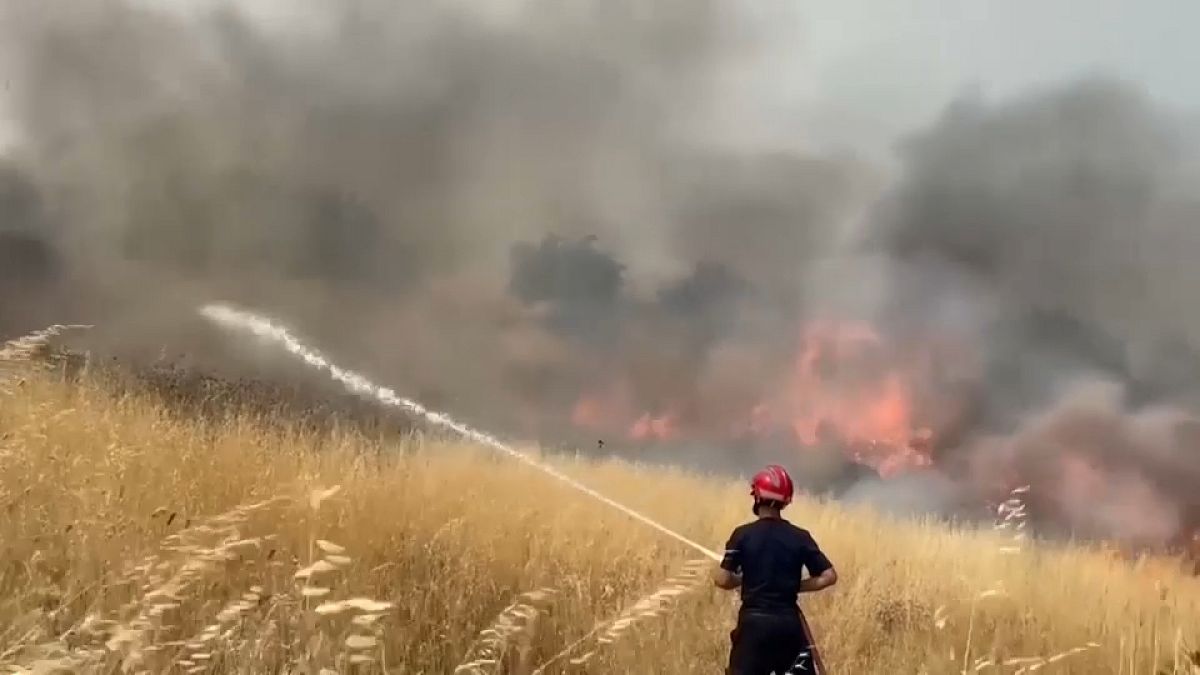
pixel 255 324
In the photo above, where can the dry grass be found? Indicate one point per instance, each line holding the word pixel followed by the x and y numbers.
pixel 35 347
pixel 131 538
pixel 514 627
pixel 656 604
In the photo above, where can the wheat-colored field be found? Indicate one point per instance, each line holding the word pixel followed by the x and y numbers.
pixel 132 536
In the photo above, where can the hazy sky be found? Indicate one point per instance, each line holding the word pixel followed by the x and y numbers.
pixel 859 72
pixel 862 71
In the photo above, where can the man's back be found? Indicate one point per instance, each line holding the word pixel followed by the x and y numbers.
pixel 766 559
pixel 770 554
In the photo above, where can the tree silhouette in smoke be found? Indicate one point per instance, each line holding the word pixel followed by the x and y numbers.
pixel 580 285
pixel 342 239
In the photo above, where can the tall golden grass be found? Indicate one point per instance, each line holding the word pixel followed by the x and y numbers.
pixel 132 537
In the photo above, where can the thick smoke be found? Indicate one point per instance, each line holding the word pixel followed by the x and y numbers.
pixel 1099 468
pixel 30 265
pixel 581 289
pixel 1052 233
pixel 527 215
pixel 376 167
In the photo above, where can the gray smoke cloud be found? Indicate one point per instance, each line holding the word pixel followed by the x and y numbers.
pixel 373 169
pixel 522 215
pixel 1099 467
pixel 30 263
pixel 1052 232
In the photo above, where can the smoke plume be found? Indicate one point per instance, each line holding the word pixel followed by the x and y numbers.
pixel 1051 233
pixel 527 213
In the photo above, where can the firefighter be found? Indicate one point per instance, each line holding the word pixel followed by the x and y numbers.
pixel 765 559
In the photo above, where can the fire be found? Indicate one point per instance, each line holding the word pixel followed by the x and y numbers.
pixel 843 389
pixel 844 385
pixel 662 428
pixel 609 410
pixel 825 388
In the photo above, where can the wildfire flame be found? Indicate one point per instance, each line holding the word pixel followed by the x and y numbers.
pixel 662 428
pixel 609 411
pixel 844 386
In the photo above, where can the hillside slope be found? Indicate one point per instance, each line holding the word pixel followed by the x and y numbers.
pixel 132 533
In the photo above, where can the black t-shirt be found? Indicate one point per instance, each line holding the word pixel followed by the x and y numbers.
pixel 770 553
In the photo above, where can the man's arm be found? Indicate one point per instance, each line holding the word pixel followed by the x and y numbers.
pixel 726 576
pixel 821 571
pixel 820 582
pixel 726 580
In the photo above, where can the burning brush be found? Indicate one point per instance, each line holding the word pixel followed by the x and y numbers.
pixel 845 389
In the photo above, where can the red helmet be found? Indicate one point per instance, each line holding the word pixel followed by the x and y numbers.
pixel 774 484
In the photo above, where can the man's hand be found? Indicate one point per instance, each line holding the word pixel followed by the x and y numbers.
pixel 726 580
pixel 820 582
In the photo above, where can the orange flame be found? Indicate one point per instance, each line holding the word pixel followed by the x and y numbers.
pixel 662 428
pixel 610 410
pixel 825 388
pixel 845 386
